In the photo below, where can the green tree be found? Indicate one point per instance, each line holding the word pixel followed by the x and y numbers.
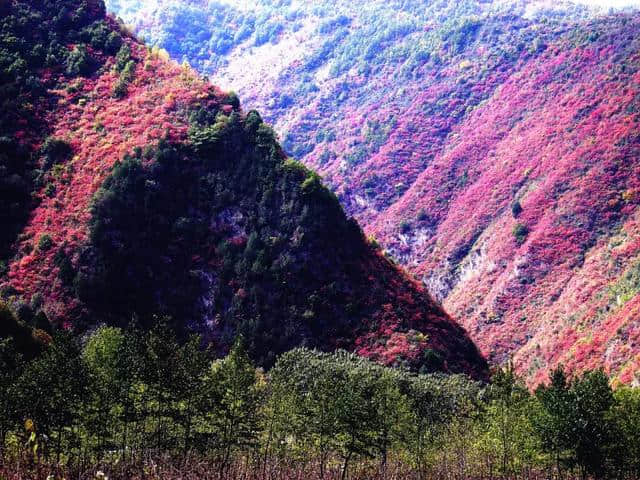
pixel 79 62
pixel 102 356
pixel 52 389
pixel 21 335
pixel 625 417
pixel 572 423
pixel 10 364
pixel 435 401
pixel 356 413
pixel 507 434
pixel 592 398
pixel 232 396
pixel 520 232
pixel 339 405
pixel 516 209
pixel 428 414
pixel 392 412
pixel 188 387
pixel 309 389
pixel 163 381
pixel 552 422
pixel 123 57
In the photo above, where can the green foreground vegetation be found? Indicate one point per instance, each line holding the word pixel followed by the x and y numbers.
pixel 121 400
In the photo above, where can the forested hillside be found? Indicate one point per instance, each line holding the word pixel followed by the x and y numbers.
pixel 181 299
pixel 141 193
pixel 489 147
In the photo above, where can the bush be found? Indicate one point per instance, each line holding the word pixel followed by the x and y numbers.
pixel 79 62
pixel 520 233
pixel 50 190
pixel 45 242
pixel 113 43
pixel 127 74
pixel 101 37
pixel 123 57
pixel 66 272
pixel 233 100
pixel 268 32
pixel 19 333
pixel 120 89
pixel 516 209
pixel 54 151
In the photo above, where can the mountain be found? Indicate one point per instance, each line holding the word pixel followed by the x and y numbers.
pixel 490 147
pixel 139 191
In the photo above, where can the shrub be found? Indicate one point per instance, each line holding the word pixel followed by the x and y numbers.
pixel 233 100
pixel 66 272
pixel 123 57
pixel 121 88
pixel 45 242
pixel 100 36
pixel 128 72
pixel 516 209
pixel 268 32
pixel 55 150
pixel 113 43
pixel 520 233
pixel 79 62
pixel 50 190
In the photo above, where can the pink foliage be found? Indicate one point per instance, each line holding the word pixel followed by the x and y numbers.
pixel 567 150
pixel 101 130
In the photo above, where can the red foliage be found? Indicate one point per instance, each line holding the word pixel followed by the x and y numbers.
pixel 559 137
pixel 101 130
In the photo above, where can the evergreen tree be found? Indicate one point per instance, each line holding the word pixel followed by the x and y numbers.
pixel 232 396
pixel 591 434
pixel 10 363
pixel 625 418
pixel 552 423
pixel 52 390
pixel 507 435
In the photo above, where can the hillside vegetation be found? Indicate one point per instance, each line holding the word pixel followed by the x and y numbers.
pixel 490 147
pixel 140 192
pixel 180 299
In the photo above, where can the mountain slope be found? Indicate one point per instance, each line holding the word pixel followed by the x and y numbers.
pixel 147 192
pixel 535 253
pixel 488 146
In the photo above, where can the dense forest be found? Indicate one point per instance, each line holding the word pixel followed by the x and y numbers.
pixel 128 403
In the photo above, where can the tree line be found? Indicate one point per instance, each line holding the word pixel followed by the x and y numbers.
pixel 137 404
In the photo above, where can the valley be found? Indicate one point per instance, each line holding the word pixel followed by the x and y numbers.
pixel 487 146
